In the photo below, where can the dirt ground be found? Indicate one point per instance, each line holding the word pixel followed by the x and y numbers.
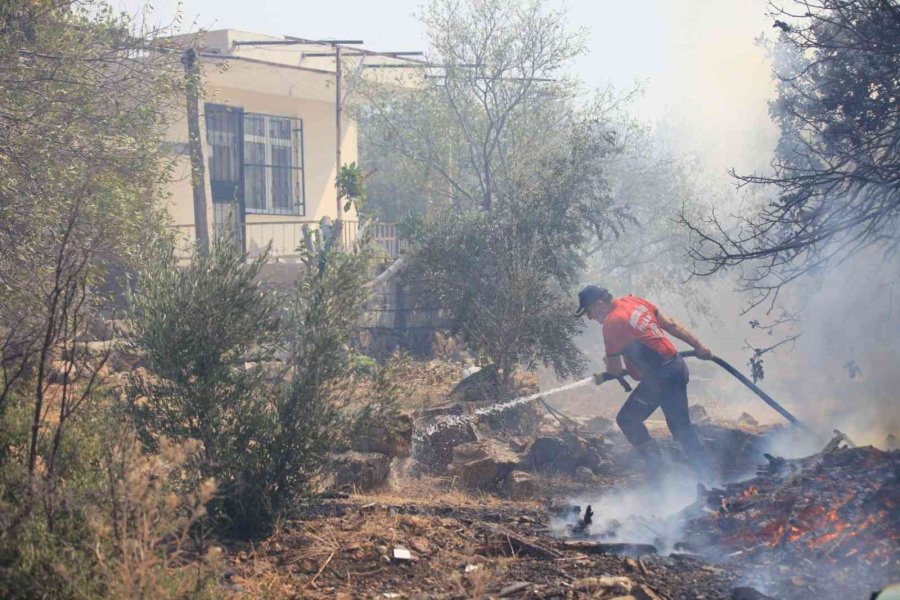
pixel 461 545
pixel 426 536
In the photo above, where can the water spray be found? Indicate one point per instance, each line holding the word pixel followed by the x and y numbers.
pixel 452 420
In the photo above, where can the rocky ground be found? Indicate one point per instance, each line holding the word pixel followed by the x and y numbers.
pixel 495 507
pixel 445 502
pixel 435 542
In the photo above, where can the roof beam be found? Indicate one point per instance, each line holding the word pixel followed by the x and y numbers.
pixel 362 53
pixel 294 42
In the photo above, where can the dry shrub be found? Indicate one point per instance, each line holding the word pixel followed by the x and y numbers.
pixel 142 529
pixel 113 522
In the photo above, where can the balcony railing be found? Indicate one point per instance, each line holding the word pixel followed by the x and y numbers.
pixel 287 237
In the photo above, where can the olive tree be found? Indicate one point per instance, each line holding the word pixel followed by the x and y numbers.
pixel 500 155
pixel 834 186
pixel 84 102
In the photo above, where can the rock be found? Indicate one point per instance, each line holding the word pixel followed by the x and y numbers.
pixel 470 370
pixel 421 545
pixel 481 385
pixel 523 420
pixel 393 440
pixel 891 442
pixel 550 454
pixel 607 583
pixel 361 470
pixel 735 450
pixel 747 420
pixel 698 413
pixel 566 452
pixel 520 485
pixel 434 452
pixel 598 425
pixel 482 464
pixel 584 475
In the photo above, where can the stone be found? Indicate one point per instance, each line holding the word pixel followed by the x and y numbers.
pixel 584 475
pixel 520 485
pixel 483 464
pixel 698 413
pixel 599 425
pixel 483 384
pixel 747 420
pixel 434 452
pixel 393 440
pixel 421 545
pixel 363 471
pixel 565 452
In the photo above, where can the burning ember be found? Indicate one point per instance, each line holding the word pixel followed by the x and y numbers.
pixel 831 517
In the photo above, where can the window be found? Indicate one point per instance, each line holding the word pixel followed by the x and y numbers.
pixel 269 179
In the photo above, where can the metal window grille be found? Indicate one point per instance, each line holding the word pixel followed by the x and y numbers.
pixel 256 160
pixel 273 165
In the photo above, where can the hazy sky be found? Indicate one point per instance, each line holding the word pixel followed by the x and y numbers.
pixel 704 75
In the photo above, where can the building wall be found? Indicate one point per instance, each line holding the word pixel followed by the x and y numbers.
pixel 282 91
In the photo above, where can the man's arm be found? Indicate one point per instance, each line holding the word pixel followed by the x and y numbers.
pixel 614 365
pixel 681 332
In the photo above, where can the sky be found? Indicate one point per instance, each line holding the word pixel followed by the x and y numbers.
pixel 704 76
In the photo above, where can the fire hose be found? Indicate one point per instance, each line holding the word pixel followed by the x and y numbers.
pixel 734 373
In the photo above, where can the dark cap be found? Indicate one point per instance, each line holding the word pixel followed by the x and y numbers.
pixel 590 294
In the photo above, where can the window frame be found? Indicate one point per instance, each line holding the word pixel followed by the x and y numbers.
pixel 297 152
pixel 297 166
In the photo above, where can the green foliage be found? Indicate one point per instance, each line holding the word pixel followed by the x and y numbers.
pixel 475 135
pixel 375 413
pixel 351 185
pixel 503 131
pixel 324 312
pixel 81 157
pixel 197 328
pixel 206 332
pixel 114 523
pixel 85 108
pixel 500 284
pixel 363 365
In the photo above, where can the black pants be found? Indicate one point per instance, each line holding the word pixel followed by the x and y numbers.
pixel 665 387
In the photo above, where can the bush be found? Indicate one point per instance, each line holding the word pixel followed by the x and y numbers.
pixel 205 332
pixel 324 314
pixel 501 287
pixel 197 329
pixel 114 523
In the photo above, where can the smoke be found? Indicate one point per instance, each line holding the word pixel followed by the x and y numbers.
pixel 645 514
pixel 843 368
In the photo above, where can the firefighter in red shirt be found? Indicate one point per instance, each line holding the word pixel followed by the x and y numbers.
pixel 633 329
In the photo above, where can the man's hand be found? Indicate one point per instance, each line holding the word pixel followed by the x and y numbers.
pixel 606 376
pixel 703 352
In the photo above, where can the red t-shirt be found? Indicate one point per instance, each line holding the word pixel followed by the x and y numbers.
pixel 633 318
